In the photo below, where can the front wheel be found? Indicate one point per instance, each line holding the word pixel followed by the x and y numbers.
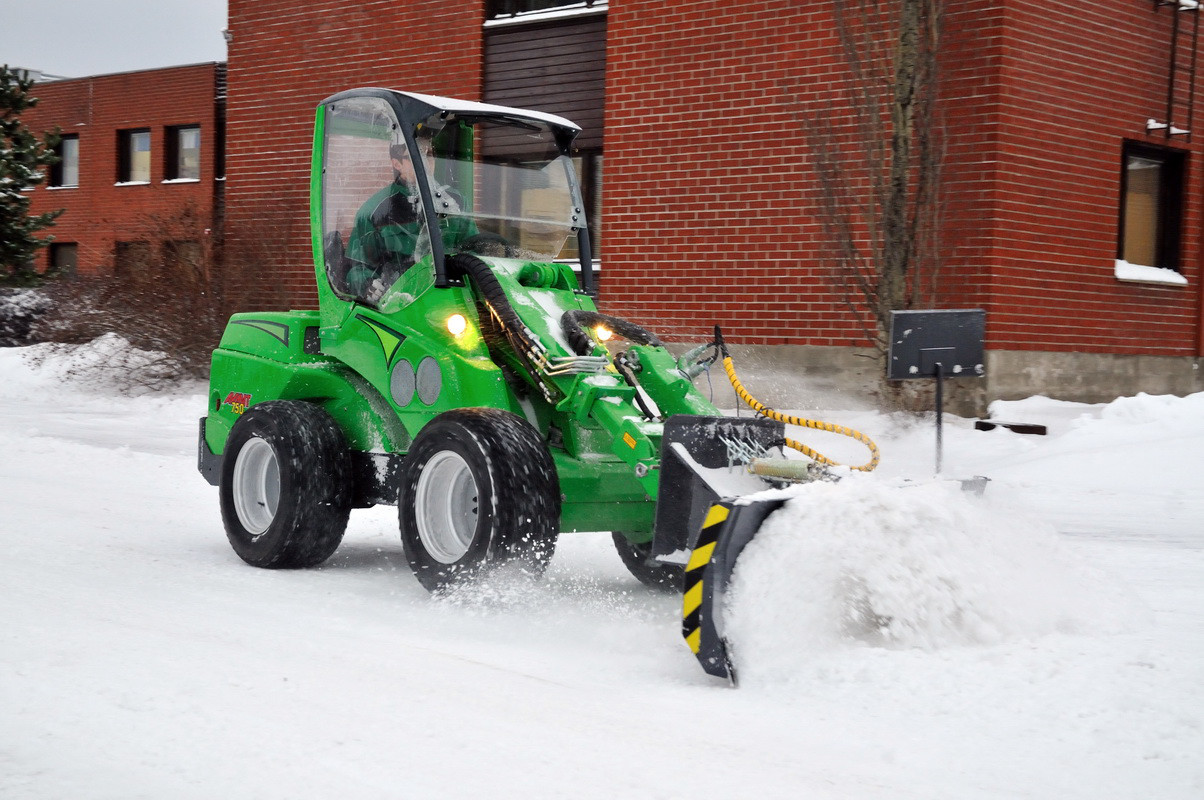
pixel 478 489
pixel 285 485
pixel 639 562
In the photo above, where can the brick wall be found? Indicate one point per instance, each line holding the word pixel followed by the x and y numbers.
pixel 710 204
pixel 285 57
pixel 710 199
pixel 98 212
pixel 1042 97
pixel 707 181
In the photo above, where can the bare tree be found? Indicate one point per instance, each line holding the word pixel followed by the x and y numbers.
pixel 877 155
pixel 167 293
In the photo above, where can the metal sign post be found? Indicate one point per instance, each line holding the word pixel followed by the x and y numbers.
pixel 936 344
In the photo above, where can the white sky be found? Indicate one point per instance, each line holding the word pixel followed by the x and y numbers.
pixel 76 38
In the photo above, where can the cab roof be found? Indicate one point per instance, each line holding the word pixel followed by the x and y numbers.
pixel 415 107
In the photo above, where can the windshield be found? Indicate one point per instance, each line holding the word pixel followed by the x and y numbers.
pixel 502 187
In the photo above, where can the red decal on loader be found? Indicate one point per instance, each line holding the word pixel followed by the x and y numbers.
pixel 238 401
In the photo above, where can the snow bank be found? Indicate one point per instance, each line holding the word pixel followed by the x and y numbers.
pixel 108 365
pixel 894 565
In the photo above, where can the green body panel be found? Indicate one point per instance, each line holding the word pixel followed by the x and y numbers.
pixel 601 494
pixel 377 345
pixel 263 357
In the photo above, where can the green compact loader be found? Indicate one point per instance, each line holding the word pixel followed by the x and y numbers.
pixel 457 367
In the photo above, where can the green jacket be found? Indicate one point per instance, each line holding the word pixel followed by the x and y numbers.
pixel 386 235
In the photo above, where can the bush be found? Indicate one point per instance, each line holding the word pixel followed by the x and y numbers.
pixel 19 311
pixel 167 300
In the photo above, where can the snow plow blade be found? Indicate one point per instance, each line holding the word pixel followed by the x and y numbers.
pixel 728 527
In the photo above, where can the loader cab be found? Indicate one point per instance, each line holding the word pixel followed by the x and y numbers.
pixel 402 182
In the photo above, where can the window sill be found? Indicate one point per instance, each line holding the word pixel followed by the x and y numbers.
pixel 132 183
pixel 1136 273
pixel 182 180
pixel 57 188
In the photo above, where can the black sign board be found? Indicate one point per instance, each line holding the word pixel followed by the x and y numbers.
pixel 923 341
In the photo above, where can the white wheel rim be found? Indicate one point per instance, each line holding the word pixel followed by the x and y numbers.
pixel 256 486
pixel 446 507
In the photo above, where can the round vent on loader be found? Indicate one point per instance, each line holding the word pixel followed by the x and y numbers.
pixel 430 380
pixel 403 383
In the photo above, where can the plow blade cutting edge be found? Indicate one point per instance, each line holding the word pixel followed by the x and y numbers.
pixel 706 515
pixel 728 527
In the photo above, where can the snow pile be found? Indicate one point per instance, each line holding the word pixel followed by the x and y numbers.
pixel 1167 411
pixel 1171 412
pixel 109 363
pixel 921 643
pixel 895 565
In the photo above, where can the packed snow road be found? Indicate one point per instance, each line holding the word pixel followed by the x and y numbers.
pixel 896 638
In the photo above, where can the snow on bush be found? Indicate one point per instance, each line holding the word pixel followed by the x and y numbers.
pixel 107 363
pixel 864 562
pixel 19 310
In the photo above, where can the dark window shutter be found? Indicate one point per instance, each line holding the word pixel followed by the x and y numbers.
pixel 557 67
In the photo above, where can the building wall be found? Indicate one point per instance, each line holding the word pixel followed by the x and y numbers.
pixel 285 57
pixel 98 212
pixel 708 187
pixel 1075 84
pixel 710 201
pixel 710 196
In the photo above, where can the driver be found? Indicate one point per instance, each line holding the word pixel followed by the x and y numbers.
pixel 387 228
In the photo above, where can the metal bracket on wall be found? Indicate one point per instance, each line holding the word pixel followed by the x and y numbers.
pixel 1177 70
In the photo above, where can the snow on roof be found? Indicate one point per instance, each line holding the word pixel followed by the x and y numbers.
pixel 560 12
pixel 471 107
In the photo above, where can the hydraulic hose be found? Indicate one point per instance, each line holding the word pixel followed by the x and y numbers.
pixel 802 422
pixel 575 322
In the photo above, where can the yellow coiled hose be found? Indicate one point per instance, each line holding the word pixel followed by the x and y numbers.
pixel 743 394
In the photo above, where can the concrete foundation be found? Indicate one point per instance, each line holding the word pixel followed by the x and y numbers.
pixel 805 377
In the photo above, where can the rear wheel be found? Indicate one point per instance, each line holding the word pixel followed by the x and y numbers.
pixel 285 485
pixel 478 489
pixel 639 562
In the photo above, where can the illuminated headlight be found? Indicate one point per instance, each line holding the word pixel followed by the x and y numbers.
pixel 456 324
pixel 603 333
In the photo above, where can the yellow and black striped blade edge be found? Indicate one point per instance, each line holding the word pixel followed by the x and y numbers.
pixel 698 621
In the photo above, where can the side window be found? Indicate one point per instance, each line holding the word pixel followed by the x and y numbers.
pixel 66 172
pixel 64 258
pixel 132 260
pixel 1151 206
pixel 183 145
pixel 373 227
pixel 133 156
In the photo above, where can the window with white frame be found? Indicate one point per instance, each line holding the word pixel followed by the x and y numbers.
pixel 133 156
pixel 66 171
pixel 1151 206
pixel 183 145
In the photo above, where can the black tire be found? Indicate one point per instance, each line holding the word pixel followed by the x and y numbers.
pixel 478 489
pixel 285 485
pixel 653 574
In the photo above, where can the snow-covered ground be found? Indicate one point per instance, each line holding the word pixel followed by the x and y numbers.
pixel 897 638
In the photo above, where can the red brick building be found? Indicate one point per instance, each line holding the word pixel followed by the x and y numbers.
pixel 708 210
pixel 142 167
pixel 1072 196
